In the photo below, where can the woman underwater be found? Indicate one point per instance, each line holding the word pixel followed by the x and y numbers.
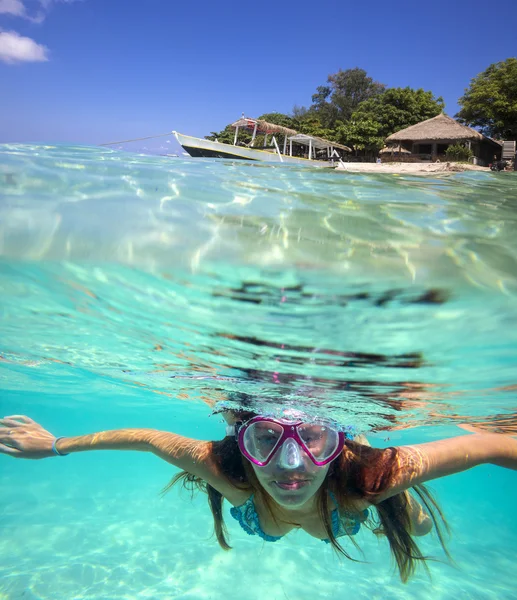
pixel 288 470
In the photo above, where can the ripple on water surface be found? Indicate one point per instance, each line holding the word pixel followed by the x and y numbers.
pixel 388 301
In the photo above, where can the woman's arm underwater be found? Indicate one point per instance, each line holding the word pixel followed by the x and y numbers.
pixel 21 437
pixel 424 462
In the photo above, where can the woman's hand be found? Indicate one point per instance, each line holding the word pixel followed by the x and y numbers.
pixel 21 437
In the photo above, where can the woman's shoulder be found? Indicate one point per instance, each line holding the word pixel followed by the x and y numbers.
pixel 235 491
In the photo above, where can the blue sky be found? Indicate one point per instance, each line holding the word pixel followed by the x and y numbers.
pixel 91 71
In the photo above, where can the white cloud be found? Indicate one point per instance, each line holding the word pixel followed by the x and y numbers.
pixel 17 8
pixel 12 7
pixel 15 48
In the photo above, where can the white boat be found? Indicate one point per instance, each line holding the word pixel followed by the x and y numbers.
pixel 294 148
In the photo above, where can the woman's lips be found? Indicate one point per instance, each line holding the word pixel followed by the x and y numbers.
pixel 291 485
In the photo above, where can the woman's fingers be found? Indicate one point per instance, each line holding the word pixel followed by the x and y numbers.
pixel 8 450
pixel 21 437
pixel 8 422
pixel 22 418
pixel 15 421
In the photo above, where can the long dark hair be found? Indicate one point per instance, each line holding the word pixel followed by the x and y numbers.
pixel 359 473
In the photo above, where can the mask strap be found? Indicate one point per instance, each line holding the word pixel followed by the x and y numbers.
pixel 233 430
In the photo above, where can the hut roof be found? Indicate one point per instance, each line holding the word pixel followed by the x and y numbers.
pixel 262 126
pixel 441 127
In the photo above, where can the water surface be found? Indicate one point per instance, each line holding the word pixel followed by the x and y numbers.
pixel 139 291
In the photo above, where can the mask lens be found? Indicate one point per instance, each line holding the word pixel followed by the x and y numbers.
pixel 261 439
pixel 320 439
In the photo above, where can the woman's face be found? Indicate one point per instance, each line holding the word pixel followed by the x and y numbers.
pixel 291 487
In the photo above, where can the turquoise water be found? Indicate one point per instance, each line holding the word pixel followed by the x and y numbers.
pixel 136 291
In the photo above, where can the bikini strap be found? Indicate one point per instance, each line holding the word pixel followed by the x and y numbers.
pixel 333 498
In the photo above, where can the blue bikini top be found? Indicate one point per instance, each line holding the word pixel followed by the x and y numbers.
pixel 343 523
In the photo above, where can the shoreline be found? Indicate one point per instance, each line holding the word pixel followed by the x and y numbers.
pixel 416 168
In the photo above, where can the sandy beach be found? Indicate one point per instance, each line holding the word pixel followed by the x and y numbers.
pixel 415 168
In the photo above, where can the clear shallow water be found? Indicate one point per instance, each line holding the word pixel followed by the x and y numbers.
pixel 135 291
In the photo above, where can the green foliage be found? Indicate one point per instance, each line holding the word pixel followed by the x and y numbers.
pixel 346 90
pixel 226 135
pixel 490 102
pixel 362 133
pixel 299 112
pixel 398 108
pixel 458 153
pixel 311 125
pixel 350 88
pixel 392 110
pixel 278 119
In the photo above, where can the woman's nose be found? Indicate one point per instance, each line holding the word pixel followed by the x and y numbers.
pixel 290 455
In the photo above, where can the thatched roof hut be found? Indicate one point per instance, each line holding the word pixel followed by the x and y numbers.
pixel 262 126
pixel 433 136
pixel 441 127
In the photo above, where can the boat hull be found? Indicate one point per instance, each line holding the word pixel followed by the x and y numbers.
pixel 196 152
pixel 198 147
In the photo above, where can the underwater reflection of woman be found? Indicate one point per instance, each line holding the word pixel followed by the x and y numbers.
pixel 281 473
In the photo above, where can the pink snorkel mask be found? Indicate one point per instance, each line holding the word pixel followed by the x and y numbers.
pixel 261 438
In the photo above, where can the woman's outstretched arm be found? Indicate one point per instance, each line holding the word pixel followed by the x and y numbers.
pixel 21 437
pixel 424 462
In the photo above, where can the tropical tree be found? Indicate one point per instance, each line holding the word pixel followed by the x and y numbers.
pixel 226 135
pixel 362 133
pixel 343 94
pixel 322 108
pixel 278 119
pixel 310 124
pixel 299 112
pixel 398 108
pixel 490 102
